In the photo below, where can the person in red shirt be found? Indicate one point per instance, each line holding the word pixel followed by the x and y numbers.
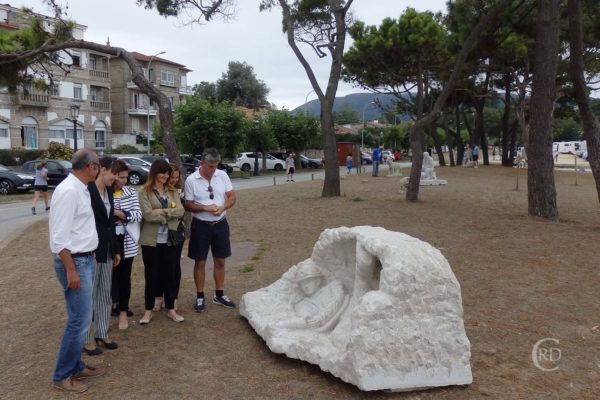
pixel 397 155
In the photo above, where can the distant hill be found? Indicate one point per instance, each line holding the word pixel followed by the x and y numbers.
pixel 357 101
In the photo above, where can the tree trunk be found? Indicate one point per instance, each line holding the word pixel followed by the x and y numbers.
pixel 460 147
pixel 591 129
pixel 449 141
pixel 480 129
pixel 506 134
pixel 331 187
pixel 541 191
pixel 437 144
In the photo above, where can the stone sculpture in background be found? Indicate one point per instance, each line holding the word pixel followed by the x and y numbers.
pixel 427 172
pixel 378 309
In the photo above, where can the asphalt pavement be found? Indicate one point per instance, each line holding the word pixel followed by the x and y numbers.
pixel 16 216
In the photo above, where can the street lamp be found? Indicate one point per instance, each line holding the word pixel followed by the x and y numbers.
pixel 362 134
pixel 256 138
pixel 148 109
pixel 74 113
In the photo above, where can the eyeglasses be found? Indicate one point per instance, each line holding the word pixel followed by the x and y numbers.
pixel 210 190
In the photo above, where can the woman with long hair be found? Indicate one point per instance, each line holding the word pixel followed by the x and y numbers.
pixel 107 256
pixel 161 211
pixel 175 183
pixel 40 186
pixel 128 216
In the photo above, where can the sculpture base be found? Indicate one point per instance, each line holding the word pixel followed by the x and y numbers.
pixel 433 182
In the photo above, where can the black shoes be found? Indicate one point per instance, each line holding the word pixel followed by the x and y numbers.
pixel 223 301
pixel 96 352
pixel 109 345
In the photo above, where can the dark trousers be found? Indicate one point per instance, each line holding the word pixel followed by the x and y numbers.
pixel 160 289
pixel 160 267
pixel 121 284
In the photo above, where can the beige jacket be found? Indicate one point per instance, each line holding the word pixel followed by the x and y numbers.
pixel 151 220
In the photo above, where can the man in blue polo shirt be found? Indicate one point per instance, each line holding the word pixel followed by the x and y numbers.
pixel 376 156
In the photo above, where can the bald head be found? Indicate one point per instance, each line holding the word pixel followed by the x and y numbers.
pixel 82 158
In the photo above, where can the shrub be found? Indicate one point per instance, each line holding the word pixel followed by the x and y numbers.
pixel 58 151
pixel 125 149
pixel 18 156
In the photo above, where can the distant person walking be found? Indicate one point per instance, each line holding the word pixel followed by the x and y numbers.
pixel 73 240
pixel 40 186
pixel 289 167
pixel 476 155
pixel 349 163
pixel 208 195
pixel 376 156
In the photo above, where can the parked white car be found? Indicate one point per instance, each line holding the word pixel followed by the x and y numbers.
pixel 385 154
pixel 245 162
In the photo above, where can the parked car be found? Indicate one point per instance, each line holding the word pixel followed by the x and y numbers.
pixel 245 162
pixel 310 162
pixel 57 169
pixel 153 157
pixel 365 158
pixel 385 154
pixel 138 170
pixel 12 181
pixel 190 164
pixel 279 154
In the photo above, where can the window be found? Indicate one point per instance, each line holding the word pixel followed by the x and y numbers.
pixel 167 78
pixel 69 134
pixel 99 135
pixel 135 124
pixel 94 93
pixel 172 101
pixel 4 132
pixel 56 134
pixel 77 91
pixel 53 90
pixel 93 63
pixel 76 58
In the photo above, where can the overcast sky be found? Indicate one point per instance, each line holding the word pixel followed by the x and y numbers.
pixel 252 36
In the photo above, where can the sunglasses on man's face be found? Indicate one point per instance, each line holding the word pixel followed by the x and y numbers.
pixel 210 190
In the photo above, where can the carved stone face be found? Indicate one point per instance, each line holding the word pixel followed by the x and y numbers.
pixel 310 285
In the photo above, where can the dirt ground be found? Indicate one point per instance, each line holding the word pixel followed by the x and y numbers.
pixel 523 279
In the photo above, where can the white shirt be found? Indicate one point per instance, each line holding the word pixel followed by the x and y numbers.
pixel 72 225
pixel 196 189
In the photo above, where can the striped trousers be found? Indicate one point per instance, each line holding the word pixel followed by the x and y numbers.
pixel 101 301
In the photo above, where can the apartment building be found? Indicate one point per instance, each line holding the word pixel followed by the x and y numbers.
pixel 133 113
pixel 77 101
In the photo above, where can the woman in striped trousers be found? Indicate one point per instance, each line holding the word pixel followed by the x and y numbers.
pixel 107 255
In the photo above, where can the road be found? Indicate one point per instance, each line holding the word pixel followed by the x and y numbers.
pixel 16 216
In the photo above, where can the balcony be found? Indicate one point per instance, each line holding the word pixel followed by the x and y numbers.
pixel 99 74
pixel 186 90
pixel 101 105
pixel 34 99
pixel 142 110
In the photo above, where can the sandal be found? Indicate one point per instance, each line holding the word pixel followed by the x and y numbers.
pixel 146 319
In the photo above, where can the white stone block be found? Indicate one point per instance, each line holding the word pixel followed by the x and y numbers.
pixel 378 309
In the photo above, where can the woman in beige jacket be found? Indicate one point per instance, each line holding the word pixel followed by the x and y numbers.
pixel 161 211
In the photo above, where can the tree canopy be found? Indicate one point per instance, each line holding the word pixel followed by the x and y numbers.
pixel 240 86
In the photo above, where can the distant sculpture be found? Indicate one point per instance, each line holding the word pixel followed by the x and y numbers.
pixel 427 168
pixel 378 309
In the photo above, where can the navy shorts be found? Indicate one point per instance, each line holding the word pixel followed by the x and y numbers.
pixel 205 236
pixel 40 188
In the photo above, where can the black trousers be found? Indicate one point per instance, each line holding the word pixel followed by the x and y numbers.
pixel 160 268
pixel 120 291
pixel 160 289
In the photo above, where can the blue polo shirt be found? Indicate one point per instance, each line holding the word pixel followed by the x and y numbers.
pixel 376 155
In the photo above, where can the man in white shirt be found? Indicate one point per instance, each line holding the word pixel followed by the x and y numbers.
pixel 208 194
pixel 73 240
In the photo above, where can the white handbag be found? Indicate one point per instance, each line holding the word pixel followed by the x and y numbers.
pixel 133 229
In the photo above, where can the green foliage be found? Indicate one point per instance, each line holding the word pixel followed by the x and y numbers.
pixel 206 90
pixel 18 156
pixel 200 124
pixel 345 114
pixel 565 130
pixel 240 86
pixel 125 149
pixel 291 132
pixel 58 151
pixel 387 56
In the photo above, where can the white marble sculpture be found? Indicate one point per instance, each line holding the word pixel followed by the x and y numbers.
pixel 378 309
pixel 393 168
pixel 428 177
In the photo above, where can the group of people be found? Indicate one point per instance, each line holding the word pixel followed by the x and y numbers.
pixel 96 225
